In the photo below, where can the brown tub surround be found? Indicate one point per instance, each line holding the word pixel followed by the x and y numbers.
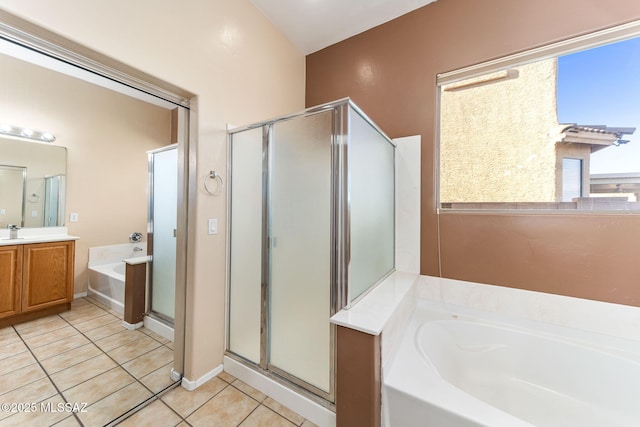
pixel 135 292
pixel 390 72
pixel 358 379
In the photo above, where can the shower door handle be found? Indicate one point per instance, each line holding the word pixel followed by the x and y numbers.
pixel 175 232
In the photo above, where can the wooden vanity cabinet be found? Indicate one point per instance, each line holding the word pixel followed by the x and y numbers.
pixel 36 279
pixel 47 275
pixel 10 280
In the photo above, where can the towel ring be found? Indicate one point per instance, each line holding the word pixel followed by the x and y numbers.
pixel 213 175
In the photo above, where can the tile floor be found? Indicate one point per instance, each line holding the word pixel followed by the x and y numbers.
pixel 84 356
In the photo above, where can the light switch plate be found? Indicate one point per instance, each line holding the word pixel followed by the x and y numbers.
pixel 73 217
pixel 213 226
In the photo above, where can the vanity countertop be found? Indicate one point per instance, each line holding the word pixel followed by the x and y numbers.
pixel 36 235
pixel 5 241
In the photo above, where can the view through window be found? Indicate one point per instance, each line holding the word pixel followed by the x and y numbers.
pixel 561 133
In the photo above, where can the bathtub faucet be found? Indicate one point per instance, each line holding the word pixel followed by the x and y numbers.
pixel 137 249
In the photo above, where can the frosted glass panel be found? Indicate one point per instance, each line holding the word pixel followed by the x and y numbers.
pixel 246 244
pixel 165 211
pixel 53 200
pixel 300 230
pixel 371 194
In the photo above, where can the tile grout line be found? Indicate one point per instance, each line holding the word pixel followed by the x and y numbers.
pixel 153 398
pixel 142 404
pixel 64 399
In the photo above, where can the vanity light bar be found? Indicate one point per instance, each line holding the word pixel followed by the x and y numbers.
pixel 19 132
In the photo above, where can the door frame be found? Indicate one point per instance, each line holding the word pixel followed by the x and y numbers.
pixel 125 79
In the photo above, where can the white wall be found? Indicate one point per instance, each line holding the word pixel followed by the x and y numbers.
pixel 242 70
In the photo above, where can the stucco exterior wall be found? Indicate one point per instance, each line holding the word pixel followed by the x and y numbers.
pixel 498 136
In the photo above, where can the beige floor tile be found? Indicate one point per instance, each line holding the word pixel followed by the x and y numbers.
pixel 16 362
pixel 159 379
pixel 265 417
pixel 83 371
pixel 154 335
pixel 99 387
pixel 122 337
pixel 156 414
pixel 82 315
pixel 96 322
pixel 59 347
pixel 134 349
pixel 278 407
pixel 308 423
pixel 116 314
pixel 20 377
pixel 6 330
pixel 114 405
pixel 170 345
pixel 227 408
pixel 79 302
pixel 70 358
pixel 50 337
pixel 105 331
pixel 247 389
pixel 97 303
pixel 34 392
pixel 70 421
pixel 12 349
pixel 40 417
pixel 185 402
pixel 8 336
pixel 226 377
pixel 40 326
pixel 149 362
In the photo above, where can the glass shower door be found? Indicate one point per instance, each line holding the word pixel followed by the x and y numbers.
pixel 163 224
pixel 300 249
pixel 245 267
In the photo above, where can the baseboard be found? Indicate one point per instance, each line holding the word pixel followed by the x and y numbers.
pixel 192 385
pixel 132 326
pixel 80 295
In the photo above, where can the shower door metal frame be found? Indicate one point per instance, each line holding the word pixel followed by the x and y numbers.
pixel 340 224
pixel 338 247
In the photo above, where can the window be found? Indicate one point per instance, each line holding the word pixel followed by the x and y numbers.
pixel 571 179
pixel 549 129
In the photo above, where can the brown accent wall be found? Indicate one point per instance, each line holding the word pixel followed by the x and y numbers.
pixel 390 72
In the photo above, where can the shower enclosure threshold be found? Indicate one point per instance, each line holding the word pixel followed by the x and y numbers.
pixel 159 327
pixel 304 406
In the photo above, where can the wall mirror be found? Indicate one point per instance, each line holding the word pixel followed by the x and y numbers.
pixel 32 183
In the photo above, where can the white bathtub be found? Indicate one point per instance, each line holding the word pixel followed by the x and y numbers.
pixel 457 367
pixel 106 284
pixel 107 272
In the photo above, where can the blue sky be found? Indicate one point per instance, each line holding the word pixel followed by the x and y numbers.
pixel 601 86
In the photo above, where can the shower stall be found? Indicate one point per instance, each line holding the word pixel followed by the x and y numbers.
pixel 311 229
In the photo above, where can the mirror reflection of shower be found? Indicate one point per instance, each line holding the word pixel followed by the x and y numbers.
pixel 163 208
pixel 54 188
